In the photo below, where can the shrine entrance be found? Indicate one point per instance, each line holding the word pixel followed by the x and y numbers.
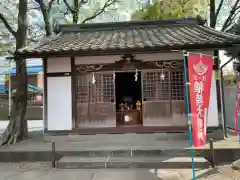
pixel 130 94
pixel 128 98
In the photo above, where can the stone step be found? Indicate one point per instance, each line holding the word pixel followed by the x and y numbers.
pixel 126 138
pixel 117 137
pixel 133 152
pixel 78 162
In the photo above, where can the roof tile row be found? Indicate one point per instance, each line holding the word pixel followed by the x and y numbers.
pixel 147 36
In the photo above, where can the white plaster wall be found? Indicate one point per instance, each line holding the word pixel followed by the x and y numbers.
pixel 58 65
pixel 213 110
pixel 59 100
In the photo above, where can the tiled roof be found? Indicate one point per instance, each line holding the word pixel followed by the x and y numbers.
pixel 131 36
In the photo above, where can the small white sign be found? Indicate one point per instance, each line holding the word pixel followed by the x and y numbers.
pixel 126 118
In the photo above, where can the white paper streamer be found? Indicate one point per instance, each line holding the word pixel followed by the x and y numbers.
pixel 162 75
pixel 114 76
pixel 136 75
pixel 93 78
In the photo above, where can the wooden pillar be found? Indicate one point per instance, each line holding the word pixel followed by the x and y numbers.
pixel 45 93
pixel 74 101
pixel 216 58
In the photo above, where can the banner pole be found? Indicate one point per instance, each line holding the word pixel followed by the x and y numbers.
pixel 189 115
pixel 237 107
pixel 238 119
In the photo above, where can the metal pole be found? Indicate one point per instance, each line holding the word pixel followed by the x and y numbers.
pixel 237 103
pixel 53 154
pixel 189 115
pixel 238 126
pixel 9 91
pixel 223 99
pixel 212 153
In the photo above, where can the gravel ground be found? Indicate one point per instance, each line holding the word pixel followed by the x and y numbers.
pixel 26 166
pixel 43 170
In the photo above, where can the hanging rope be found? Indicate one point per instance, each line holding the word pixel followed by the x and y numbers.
pixel 184 51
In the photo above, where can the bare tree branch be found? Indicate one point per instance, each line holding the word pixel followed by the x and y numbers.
pixel 45 12
pixel 50 5
pixel 68 6
pixel 40 2
pixel 231 21
pixel 7 25
pixel 43 6
pixel 34 8
pixel 64 12
pixel 100 11
pixel 218 11
pixel 10 12
pixel 231 14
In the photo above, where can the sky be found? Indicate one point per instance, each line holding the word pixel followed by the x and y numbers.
pixel 222 17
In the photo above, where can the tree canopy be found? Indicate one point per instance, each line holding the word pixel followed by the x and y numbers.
pixel 24 21
pixel 44 14
pixel 168 9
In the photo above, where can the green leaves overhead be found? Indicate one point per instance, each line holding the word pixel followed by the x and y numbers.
pixel 167 9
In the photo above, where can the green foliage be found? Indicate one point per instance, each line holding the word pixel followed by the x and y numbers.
pixel 170 9
pixel 3 49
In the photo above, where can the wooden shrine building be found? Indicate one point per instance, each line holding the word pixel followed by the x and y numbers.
pixel 123 76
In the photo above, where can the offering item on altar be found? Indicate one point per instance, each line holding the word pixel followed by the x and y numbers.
pixel 138 105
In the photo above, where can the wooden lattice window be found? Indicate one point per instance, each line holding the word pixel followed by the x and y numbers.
pixel 148 86
pixel 101 91
pixel 177 82
pixel 162 86
pixel 156 88
pixel 82 88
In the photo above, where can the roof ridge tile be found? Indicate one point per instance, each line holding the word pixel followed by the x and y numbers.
pixel 219 33
pixel 123 25
pixel 150 37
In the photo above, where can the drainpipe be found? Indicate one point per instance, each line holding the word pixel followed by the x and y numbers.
pixel 223 99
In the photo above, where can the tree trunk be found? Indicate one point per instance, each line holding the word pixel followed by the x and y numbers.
pixel 213 18
pixel 17 128
pixel 48 27
pixel 75 11
pixel 45 12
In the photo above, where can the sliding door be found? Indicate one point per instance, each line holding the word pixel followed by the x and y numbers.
pixel 163 98
pixel 96 102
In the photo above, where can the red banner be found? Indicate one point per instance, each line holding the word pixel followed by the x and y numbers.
pixel 200 78
pixel 237 106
